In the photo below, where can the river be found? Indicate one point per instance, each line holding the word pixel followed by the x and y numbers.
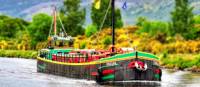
pixel 16 72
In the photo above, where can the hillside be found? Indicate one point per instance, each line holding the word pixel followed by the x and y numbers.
pixel 152 9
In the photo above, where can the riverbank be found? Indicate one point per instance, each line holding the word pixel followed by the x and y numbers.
pixel 28 54
pixel 187 62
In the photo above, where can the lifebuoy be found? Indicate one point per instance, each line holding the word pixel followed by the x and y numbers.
pixel 139 65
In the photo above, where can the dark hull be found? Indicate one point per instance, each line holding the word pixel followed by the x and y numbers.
pixel 122 73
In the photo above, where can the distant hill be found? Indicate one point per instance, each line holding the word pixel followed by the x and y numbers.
pixel 152 9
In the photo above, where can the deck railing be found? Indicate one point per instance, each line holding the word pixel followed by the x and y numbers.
pixel 69 57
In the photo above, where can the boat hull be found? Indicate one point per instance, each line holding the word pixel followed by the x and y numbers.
pixel 102 72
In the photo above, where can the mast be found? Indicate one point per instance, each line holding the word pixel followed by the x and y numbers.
pixel 54 13
pixel 113 25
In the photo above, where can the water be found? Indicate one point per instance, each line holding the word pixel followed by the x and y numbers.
pixel 22 73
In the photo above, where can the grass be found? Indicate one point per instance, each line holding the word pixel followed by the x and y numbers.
pixel 180 61
pixel 29 54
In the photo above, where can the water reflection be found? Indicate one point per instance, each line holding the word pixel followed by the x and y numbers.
pixel 22 73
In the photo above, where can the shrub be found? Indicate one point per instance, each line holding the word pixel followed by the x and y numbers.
pixel 154 28
pixel 197 61
pixel 83 45
pixel 90 30
pixel 107 41
pixel 197 19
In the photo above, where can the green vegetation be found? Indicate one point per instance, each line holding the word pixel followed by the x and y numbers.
pixel 182 19
pixel 90 30
pixel 73 17
pixel 197 19
pixel 39 28
pixel 156 29
pixel 97 15
pixel 9 26
pixel 18 53
pixel 181 61
pixel 107 41
pixel 83 45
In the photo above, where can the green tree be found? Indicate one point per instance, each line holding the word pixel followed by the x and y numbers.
pixel 39 28
pixel 74 17
pixel 10 26
pixel 90 30
pixel 182 19
pixel 97 15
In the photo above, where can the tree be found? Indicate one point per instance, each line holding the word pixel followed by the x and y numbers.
pixel 39 28
pixel 10 26
pixel 97 15
pixel 182 18
pixel 74 17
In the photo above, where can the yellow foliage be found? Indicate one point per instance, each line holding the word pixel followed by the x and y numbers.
pixel 41 45
pixel 125 37
pixel 136 42
pixel 122 38
pixel 3 44
pixel 132 29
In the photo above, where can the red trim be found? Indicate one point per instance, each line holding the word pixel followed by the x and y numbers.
pixel 108 71
pixel 94 73
pixel 157 71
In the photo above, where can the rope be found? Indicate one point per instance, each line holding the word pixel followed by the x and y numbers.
pixel 61 24
pixel 103 21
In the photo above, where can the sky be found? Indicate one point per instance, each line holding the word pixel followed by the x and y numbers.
pixel 151 9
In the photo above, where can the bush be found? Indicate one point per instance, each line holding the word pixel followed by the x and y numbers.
pixel 107 41
pixel 82 45
pixel 154 28
pixel 197 61
pixel 90 30
pixel 181 61
pixel 197 19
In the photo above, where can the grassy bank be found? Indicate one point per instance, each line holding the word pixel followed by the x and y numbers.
pixel 189 62
pixel 18 53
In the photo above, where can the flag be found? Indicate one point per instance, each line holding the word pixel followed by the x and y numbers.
pixel 124 5
pixel 97 4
